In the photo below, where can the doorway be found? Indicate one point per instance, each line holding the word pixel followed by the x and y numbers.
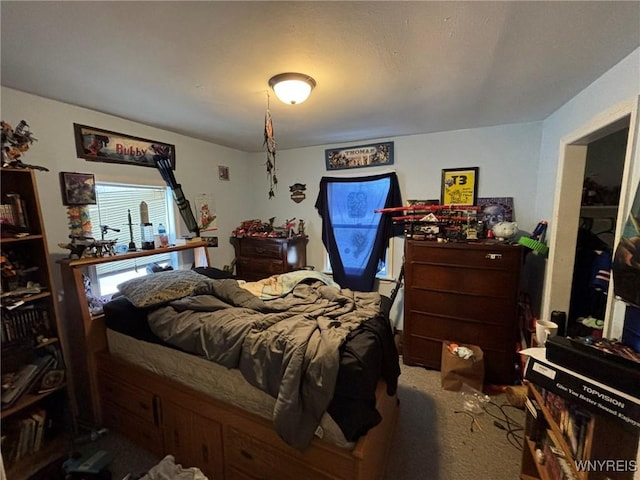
pixel 565 221
pixel 602 180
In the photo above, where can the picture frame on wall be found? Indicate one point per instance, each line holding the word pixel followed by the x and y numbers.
pixel 495 209
pixel 97 145
pixel 78 188
pixel 370 155
pixel 459 186
pixel 223 173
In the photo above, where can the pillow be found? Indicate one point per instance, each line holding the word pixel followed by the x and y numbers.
pixel 161 287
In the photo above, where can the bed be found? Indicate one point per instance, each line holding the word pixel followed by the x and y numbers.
pixel 288 377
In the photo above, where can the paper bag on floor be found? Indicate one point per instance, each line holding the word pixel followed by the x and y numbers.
pixel 455 370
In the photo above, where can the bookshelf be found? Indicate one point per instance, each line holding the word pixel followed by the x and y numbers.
pixel 35 396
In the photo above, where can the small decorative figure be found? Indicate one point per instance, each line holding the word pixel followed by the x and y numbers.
pixel 83 246
pixel 132 244
pixel 15 143
pixel 288 227
pixel 301 228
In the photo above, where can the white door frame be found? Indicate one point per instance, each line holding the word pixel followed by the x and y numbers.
pixel 556 293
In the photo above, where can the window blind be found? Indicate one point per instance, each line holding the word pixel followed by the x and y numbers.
pixel 114 203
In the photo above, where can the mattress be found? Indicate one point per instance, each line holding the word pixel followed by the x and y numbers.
pixel 214 380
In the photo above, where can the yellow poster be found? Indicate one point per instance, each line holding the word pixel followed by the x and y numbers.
pixel 459 186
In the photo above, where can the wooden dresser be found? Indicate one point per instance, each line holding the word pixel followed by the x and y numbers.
pixel 258 257
pixel 465 293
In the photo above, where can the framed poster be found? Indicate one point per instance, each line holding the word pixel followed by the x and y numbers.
pixel 78 188
pixel 98 145
pixel 459 186
pixel 372 155
pixel 495 209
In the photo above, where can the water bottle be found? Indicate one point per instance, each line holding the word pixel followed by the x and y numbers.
pixel 162 232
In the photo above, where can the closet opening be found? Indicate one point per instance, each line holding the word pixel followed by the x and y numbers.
pixel 600 198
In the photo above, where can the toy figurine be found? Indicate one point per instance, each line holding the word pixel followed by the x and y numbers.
pixel 15 143
pixel 505 230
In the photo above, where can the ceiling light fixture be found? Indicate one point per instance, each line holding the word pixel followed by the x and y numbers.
pixel 292 88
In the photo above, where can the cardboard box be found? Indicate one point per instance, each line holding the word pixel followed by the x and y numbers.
pixel 589 393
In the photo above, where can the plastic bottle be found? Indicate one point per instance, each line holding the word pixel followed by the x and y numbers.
pixel 162 232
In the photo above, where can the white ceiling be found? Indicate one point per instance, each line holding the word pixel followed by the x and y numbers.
pixel 383 69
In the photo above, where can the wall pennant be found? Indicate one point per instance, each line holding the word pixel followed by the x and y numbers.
pixel 297 192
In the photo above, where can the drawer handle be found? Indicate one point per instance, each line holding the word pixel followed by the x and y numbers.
pixel 260 250
pixel 205 453
pixel 246 454
pixel 493 256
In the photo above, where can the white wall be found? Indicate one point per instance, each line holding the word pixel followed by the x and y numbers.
pixel 52 122
pixel 620 83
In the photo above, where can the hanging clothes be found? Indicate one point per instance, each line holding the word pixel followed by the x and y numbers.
pixel 354 235
pixel 591 276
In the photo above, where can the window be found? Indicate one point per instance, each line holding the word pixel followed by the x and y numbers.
pixel 114 202
pixel 355 233
pixel 385 267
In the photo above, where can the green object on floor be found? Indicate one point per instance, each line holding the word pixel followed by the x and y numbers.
pixel 592 322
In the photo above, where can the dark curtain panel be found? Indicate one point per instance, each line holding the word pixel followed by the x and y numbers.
pixel 354 235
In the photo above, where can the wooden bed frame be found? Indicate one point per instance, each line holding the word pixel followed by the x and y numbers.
pixel 167 417
pixel 225 442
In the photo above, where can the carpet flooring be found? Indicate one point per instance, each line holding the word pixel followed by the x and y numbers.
pixel 432 441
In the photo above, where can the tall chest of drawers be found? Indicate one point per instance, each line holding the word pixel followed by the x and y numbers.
pixel 464 293
pixel 258 257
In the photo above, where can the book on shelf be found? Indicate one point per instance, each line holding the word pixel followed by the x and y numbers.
pixel 40 417
pixel 26 377
pixel 24 322
pixel 535 423
pixel 572 420
pixel 558 466
pixel 19 211
pixel 7 214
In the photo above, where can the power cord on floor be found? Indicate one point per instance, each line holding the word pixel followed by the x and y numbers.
pixel 474 421
pixel 514 430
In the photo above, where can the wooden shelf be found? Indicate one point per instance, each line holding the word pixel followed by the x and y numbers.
pixel 88 261
pixel 29 399
pixel 29 298
pixel 563 445
pixel 28 238
pixel 51 451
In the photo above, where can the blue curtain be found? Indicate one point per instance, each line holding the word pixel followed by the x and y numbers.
pixel 354 235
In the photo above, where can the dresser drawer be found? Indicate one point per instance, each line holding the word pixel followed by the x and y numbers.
pixel 260 248
pixel 482 309
pixel 142 433
pixel 259 267
pixel 489 337
pixel 463 279
pixel 138 402
pixel 256 459
pixel 498 257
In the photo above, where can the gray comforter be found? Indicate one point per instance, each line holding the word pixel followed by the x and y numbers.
pixel 288 346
